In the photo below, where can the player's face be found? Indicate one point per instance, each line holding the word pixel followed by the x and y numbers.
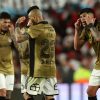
pixel 5 24
pixel 32 18
pixel 83 17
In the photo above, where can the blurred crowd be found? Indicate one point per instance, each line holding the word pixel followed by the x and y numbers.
pixel 72 66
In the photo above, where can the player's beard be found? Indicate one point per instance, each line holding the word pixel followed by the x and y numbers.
pixel 34 22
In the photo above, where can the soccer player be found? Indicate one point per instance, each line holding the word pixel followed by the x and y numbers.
pixel 6 65
pixel 87 29
pixel 42 69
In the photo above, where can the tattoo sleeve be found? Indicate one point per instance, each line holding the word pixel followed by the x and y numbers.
pixel 21 35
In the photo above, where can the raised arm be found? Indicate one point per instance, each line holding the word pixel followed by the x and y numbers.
pixel 21 34
pixel 78 41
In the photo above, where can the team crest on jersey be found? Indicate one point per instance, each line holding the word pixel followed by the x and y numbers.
pixel 35 87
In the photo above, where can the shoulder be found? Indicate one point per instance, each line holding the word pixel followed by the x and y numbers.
pixel 97 24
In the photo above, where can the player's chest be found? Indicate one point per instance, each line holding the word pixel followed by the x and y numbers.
pixel 5 40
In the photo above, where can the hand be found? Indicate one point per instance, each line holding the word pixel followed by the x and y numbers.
pixel 77 24
pixel 20 20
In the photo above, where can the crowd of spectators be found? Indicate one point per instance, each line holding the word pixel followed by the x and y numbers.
pixel 72 66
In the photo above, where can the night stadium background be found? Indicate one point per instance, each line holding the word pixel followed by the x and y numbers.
pixel 73 67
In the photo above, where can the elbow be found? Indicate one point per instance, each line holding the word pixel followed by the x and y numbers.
pixel 77 48
pixel 76 45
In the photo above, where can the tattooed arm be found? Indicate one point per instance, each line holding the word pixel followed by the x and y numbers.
pixel 21 34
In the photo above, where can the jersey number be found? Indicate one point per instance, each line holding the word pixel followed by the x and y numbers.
pixel 47 50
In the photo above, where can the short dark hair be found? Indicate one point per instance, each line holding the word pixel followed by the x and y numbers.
pixel 87 10
pixel 5 15
pixel 32 8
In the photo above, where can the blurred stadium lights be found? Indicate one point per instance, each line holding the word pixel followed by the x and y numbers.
pixel 73 92
pixel 20 7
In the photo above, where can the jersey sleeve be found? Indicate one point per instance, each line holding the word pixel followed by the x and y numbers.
pixel 34 31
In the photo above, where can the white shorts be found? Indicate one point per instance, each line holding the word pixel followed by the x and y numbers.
pixel 95 78
pixel 47 86
pixel 23 81
pixel 6 81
